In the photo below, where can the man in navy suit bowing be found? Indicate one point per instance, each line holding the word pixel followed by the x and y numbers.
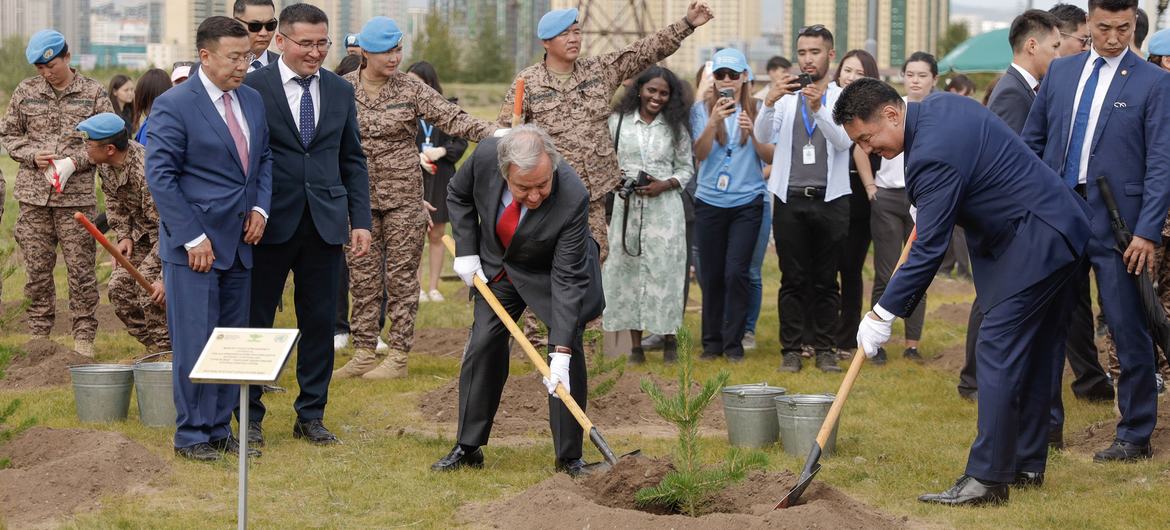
pixel 1026 234
pixel 1106 113
pixel 320 201
pixel 209 170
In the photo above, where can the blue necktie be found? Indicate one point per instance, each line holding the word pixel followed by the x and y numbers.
pixel 307 126
pixel 256 65
pixel 1076 140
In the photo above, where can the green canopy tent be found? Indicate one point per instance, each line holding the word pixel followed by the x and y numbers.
pixel 986 52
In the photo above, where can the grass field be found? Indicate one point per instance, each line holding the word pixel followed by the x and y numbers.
pixel 904 432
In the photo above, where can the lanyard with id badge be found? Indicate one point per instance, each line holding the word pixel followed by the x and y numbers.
pixel 427 133
pixel 810 150
pixel 732 144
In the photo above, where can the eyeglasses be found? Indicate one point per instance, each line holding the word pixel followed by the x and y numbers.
pixel 243 59
pixel 255 27
pixel 1083 40
pixel 726 74
pixel 321 46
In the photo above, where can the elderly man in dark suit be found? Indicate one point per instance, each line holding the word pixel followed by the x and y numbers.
pixel 320 201
pixel 520 218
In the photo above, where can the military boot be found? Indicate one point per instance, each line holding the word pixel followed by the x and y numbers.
pixel 363 361
pixel 394 367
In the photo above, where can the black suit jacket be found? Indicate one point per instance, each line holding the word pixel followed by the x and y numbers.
pixel 330 175
pixel 1011 99
pixel 553 260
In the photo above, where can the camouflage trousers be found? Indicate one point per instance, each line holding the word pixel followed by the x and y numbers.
pixel 39 229
pixel 144 320
pixel 394 258
pixel 1162 279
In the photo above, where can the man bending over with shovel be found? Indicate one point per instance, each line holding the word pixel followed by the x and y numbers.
pixel 1026 233
pixel 520 219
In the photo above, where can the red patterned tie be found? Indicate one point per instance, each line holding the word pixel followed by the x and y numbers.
pixel 506 227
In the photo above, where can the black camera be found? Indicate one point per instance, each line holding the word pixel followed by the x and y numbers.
pixel 628 184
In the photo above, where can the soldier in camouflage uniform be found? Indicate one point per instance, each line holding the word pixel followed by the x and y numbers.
pixel 569 97
pixel 39 132
pixel 389 106
pixel 121 164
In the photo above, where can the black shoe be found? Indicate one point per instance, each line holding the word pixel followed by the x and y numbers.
pixel 1122 451
pixel 637 356
pixel 314 431
pixel 880 357
pixel 574 467
pixel 255 434
pixel 791 362
pixel 669 349
pixel 458 458
pixel 912 354
pixel 653 342
pixel 200 452
pixel 827 362
pixel 1100 393
pixel 230 445
pixel 1056 437
pixel 969 491
pixel 1028 479
pixel 969 396
pixel 710 356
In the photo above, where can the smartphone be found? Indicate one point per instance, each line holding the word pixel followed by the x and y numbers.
pixel 804 80
pixel 726 93
pixel 707 69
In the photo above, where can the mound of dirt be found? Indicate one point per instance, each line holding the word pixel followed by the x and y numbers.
pixel 950 359
pixel 1101 434
pixel 606 501
pixel 524 406
pixel 440 342
pixel 45 363
pixel 58 472
pixel 953 313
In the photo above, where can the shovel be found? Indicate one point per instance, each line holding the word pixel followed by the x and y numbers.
pixel 105 243
pixel 812 464
pixel 542 367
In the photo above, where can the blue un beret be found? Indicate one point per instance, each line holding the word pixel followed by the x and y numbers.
pixel 351 40
pixel 555 22
pixel 102 126
pixel 379 35
pixel 44 46
pixel 1160 43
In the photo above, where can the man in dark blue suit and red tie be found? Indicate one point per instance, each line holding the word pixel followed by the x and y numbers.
pixel 1106 113
pixel 1026 234
pixel 209 170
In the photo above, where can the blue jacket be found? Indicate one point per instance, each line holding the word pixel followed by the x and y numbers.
pixel 1131 144
pixel 965 166
pixel 195 175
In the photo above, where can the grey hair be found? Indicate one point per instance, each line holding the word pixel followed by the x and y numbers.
pixel 522 147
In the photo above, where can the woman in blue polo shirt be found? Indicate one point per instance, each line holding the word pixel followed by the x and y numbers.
pixel 729 202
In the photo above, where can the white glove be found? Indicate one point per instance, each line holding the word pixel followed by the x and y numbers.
pixel 558 372
pixel 59 172
pixel 872 333
pixel 501 132
pixel 435 153
pixel 468 267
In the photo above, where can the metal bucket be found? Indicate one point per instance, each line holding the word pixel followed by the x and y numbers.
pixel 751 414
pixel 101 392
pixel 800 417
pixel 155 392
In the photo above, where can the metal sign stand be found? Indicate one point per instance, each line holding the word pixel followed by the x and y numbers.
pixel 242 510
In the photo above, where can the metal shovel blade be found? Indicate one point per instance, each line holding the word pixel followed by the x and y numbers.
pixel 811 467
pixel 603 466
pixel 606 452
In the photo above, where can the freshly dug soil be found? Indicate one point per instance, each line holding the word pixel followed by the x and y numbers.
pixel 45 363
pixel 524 406
pixel 606 501
pixel 1101 434
pixel 440 342
pixel 953 313
pixel 58 472
pixel 63 322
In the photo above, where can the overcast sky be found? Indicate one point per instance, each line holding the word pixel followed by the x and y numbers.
pixel 1004 9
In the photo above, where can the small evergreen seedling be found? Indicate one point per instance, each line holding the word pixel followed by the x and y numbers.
pixel 6 432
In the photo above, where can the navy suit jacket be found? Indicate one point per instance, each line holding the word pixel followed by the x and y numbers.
pixel 965 166
pixel 195 174
pixel 1130 146
pixel 1011 99
pixel 330 175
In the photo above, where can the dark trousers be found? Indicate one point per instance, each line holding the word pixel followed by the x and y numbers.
pixel 197 303
pixel 852 261
pixel 726 238
pixel 891 224
pixel 315 266
pixel 342 323
pixel 485 370
pixel 1018 341
pixel 956 255
pixel 810 238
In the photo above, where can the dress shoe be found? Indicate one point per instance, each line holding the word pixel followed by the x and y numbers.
pixel 637 356
pixel 912 354
pixel 255 434
pixel 200 452
pixel 231 445
pixel 669 349
pixel 363 361
pixel 1100 393
pixel 459 457
pixel 969 396
pixel 573 467
pixel 827 362
pixel 1122 451
pixel 880 357
pixel 314 431
pixel 969 491
pixel 1028 479
pixel 791 362
pixel 653 342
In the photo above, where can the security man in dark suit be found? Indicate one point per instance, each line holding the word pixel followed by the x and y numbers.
pixel 259 18
pixel 520 219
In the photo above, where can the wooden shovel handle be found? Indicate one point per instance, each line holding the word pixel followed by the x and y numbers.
pixel 101 239
pixel 518 104
pixel 518 334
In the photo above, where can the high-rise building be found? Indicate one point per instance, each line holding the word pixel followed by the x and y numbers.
pixel 904 26
pixel 22 18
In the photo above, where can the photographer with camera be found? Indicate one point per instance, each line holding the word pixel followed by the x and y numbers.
pixel 729 201
pixel 645 273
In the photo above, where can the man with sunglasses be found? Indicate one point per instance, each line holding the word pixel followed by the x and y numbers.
pixel 1074 38
pixel 259 17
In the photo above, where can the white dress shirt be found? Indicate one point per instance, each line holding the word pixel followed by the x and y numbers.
pixel 1104 79
pixel 891 175
pixel 293 91
pixel 506 201
pixel 1028 77
pixel 262 59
